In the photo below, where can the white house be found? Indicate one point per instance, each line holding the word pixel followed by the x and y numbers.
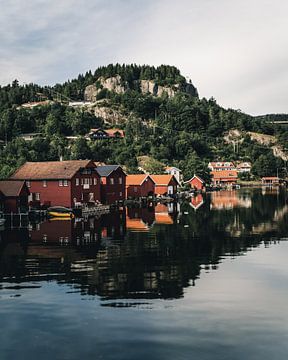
pixel 172 170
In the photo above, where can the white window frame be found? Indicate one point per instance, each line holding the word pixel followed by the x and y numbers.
pixel 60 183
pixel 111 181
pixel 120 181
pixel 44 183
pixel 65 183
pixel 77 182
pixel 28 183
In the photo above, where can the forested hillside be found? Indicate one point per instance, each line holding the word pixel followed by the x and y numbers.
pixel 174 126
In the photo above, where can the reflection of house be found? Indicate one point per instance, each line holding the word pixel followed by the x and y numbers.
pixel 165 184
pixel 196 201
pixel 221 165
pixel 140 185
pixel 162 215
pixel 270 180
pixel 224 177
pixel 100 134
pixel 113 183
pixel 172 170
pixel 229 199
pixel 196 183
pixel 63 183
pixel 14 196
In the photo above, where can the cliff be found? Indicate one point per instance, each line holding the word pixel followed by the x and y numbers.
pixel 119 86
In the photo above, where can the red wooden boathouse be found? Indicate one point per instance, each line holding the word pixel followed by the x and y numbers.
pixel 65 183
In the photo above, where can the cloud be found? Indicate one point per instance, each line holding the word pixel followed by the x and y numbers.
pixel 234 51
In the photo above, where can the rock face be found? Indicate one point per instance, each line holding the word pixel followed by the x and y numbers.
pixel 145 86
pixel 111 84
pixel 109 115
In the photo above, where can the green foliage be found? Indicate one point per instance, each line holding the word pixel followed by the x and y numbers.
pixel 183 130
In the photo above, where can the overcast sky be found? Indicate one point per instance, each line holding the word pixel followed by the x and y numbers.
pixel 233 50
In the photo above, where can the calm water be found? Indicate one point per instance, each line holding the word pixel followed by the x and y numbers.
pixel 204 280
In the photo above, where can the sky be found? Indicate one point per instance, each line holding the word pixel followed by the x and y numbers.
pixel 233 50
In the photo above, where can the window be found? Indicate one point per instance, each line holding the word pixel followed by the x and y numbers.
pixel 28 183
pixel 37 196
pixel 65 182
pixel 120 193
pixel 77 182
pixel 90 181
pixel 135 189
pixel 95 181
pixel 111 181
pixel 86 181
pixel 120 181
pixel 60 182
pixel 44 183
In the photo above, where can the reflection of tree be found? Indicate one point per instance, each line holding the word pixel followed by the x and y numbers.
pixel 101 260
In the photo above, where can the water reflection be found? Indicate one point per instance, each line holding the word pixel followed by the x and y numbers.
pixel 143 253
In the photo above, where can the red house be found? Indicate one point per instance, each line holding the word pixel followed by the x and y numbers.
pixel 140 185
pixel 14 196
pixel 165 184
pixel 196 183
pixel 65 183
pixel 113 184
pixel 224 177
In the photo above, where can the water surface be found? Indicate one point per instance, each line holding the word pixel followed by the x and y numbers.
pixel 204 280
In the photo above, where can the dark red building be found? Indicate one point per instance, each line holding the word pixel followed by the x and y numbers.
pixel 196 183
pixel 65 183
pixel 140 185
pixel 14 196
pixel 113 184
pixel 165 184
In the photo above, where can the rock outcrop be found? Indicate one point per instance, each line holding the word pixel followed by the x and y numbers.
pixel 145 86
pixel 109 115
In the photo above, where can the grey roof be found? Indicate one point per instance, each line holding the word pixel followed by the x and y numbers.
pixel 106 170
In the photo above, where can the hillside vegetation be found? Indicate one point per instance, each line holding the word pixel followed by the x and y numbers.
pixel 162 115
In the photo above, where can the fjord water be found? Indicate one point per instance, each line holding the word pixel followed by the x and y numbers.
pixel 206 279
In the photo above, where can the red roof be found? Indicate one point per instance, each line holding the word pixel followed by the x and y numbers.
pixel 50 169
pixel 162 179
pixel 11 188
pixel 195 177
pixel 224 174
pixel 136 179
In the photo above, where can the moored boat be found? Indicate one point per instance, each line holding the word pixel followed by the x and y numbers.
pixel 60 212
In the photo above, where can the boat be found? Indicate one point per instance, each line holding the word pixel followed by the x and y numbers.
pixel 60 212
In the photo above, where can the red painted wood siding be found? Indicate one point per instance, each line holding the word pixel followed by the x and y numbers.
pixel 54 195
pixel 163 189
pixel 196 184
pixel 145 189
pixel 112 193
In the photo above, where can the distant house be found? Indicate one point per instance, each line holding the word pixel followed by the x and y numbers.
pixel 66 183
pixel 113 184
pixel 101 134
pixel 221 165
pixel 172 170
pixel 140 185
pixel 224 177
pixel 270 180
pixel 30 136
pixel 165 184
pixel 196 183
pixel 13 196
pixel 244 167
pixel 31 105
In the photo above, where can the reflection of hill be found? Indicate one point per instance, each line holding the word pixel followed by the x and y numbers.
pixel 100 257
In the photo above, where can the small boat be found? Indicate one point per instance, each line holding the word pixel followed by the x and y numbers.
pixel 60 212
